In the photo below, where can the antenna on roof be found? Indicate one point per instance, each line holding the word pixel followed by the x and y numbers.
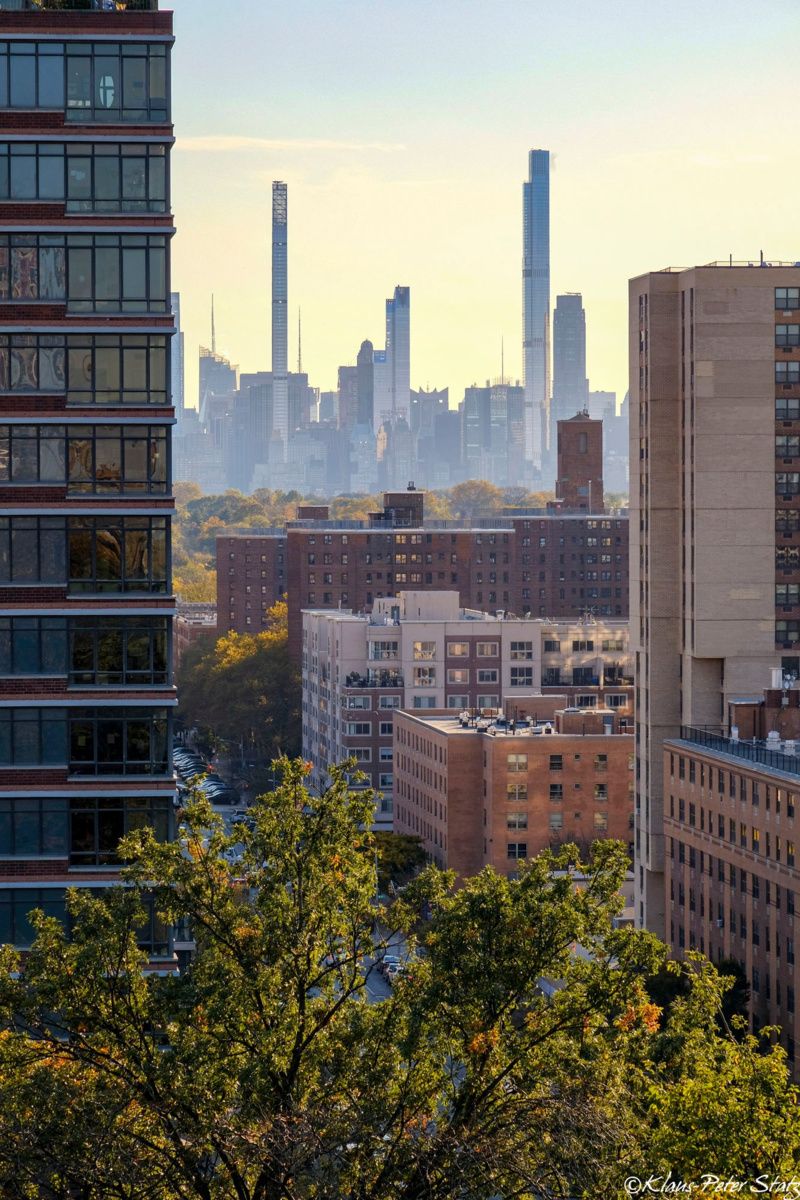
pixel 213 328
pixel 299 342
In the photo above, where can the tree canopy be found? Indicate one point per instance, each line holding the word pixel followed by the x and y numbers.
pixel 270 1068
pixel 244 689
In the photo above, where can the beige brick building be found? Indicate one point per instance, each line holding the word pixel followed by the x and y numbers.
pixel 491 793
pixel 714 513
pixel 423 651
pixel 732 825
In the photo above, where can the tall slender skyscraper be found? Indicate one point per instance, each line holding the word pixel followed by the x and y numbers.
pixel 536 305
pixel 398 350
pixel 177 369
pixel 280 328
pixel 570 385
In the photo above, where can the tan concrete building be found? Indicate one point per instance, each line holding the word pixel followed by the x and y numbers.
pixel 715 565
pixel 423 651
pixel 732 827
pixel 485 792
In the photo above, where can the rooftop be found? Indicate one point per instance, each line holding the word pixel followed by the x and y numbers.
pixel 114 6
pixel 758 260
pixel 782 757
pixel 470 722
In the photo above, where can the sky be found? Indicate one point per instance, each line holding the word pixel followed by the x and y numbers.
pixel 402 129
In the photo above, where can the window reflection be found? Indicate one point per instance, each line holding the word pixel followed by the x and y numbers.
pixel 102 82
pixel 105 369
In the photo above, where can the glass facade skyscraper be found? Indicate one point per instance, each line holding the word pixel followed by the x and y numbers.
pixel 280 317
pixel 570 385
pixel 86 322
pixel 536 307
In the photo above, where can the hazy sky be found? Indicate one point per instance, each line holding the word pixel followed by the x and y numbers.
pixel 402 129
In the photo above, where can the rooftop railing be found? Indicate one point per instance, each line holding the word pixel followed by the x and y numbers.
pixel 757 752
pixel 79 6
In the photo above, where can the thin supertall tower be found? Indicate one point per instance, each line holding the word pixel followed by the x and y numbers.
pixel 536 306
pixel 280 330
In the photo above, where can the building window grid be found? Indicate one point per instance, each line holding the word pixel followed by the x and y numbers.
pixel 87 177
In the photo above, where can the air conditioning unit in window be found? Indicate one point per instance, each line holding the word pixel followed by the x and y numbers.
pixel 720 923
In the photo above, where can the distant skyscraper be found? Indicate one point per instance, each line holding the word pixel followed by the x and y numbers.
pixel 536 304
pixel 398 350
pixel 177 375
pixel 382 383
pixel 280 330
pixel 365 367
pixel 570 385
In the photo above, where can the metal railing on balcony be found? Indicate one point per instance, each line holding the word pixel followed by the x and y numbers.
pixel 756 752
pixel 375 679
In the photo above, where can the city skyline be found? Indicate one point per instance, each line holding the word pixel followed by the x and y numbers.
pixel 384 194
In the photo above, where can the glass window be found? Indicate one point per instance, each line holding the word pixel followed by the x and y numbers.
pixel 97 273
pixel 113 651
pixel 521 650
pixel 34 825
pixel 129 555
pixel 118 742
pixel 107 81
pixel 32 550
pixel 424 650
pixel 33 737
pixel 33 645
pixel 98 824
pixel 17 903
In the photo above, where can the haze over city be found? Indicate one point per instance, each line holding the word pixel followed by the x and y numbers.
pixel 405 156
pixel 399 742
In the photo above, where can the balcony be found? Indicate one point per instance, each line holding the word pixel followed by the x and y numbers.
pixel 375 679
pixel 759 753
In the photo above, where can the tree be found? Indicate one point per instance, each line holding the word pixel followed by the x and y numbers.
pixel 244 689
pixel 195 581
pixel 399 857
pixel 475 497
pixel 262 1071
pixel 353 508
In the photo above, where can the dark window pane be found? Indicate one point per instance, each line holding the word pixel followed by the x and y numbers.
pixel 23 81
pixel 23 177
pixel 51 81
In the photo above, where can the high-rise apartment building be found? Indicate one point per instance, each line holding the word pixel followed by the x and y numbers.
pixel 570 385
pixel 422 650
pixel 536 306
pixel 280 322
pixel 715 511
pixel 86 692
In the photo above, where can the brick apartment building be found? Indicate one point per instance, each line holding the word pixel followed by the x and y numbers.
pixel 732 829
pixel 482 792
pixel 550 564
pixel 528 563
pixel 421 650
pixel 86 692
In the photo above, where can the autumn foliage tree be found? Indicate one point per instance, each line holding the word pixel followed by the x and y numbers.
pixel 244 689
pixel 504 1064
